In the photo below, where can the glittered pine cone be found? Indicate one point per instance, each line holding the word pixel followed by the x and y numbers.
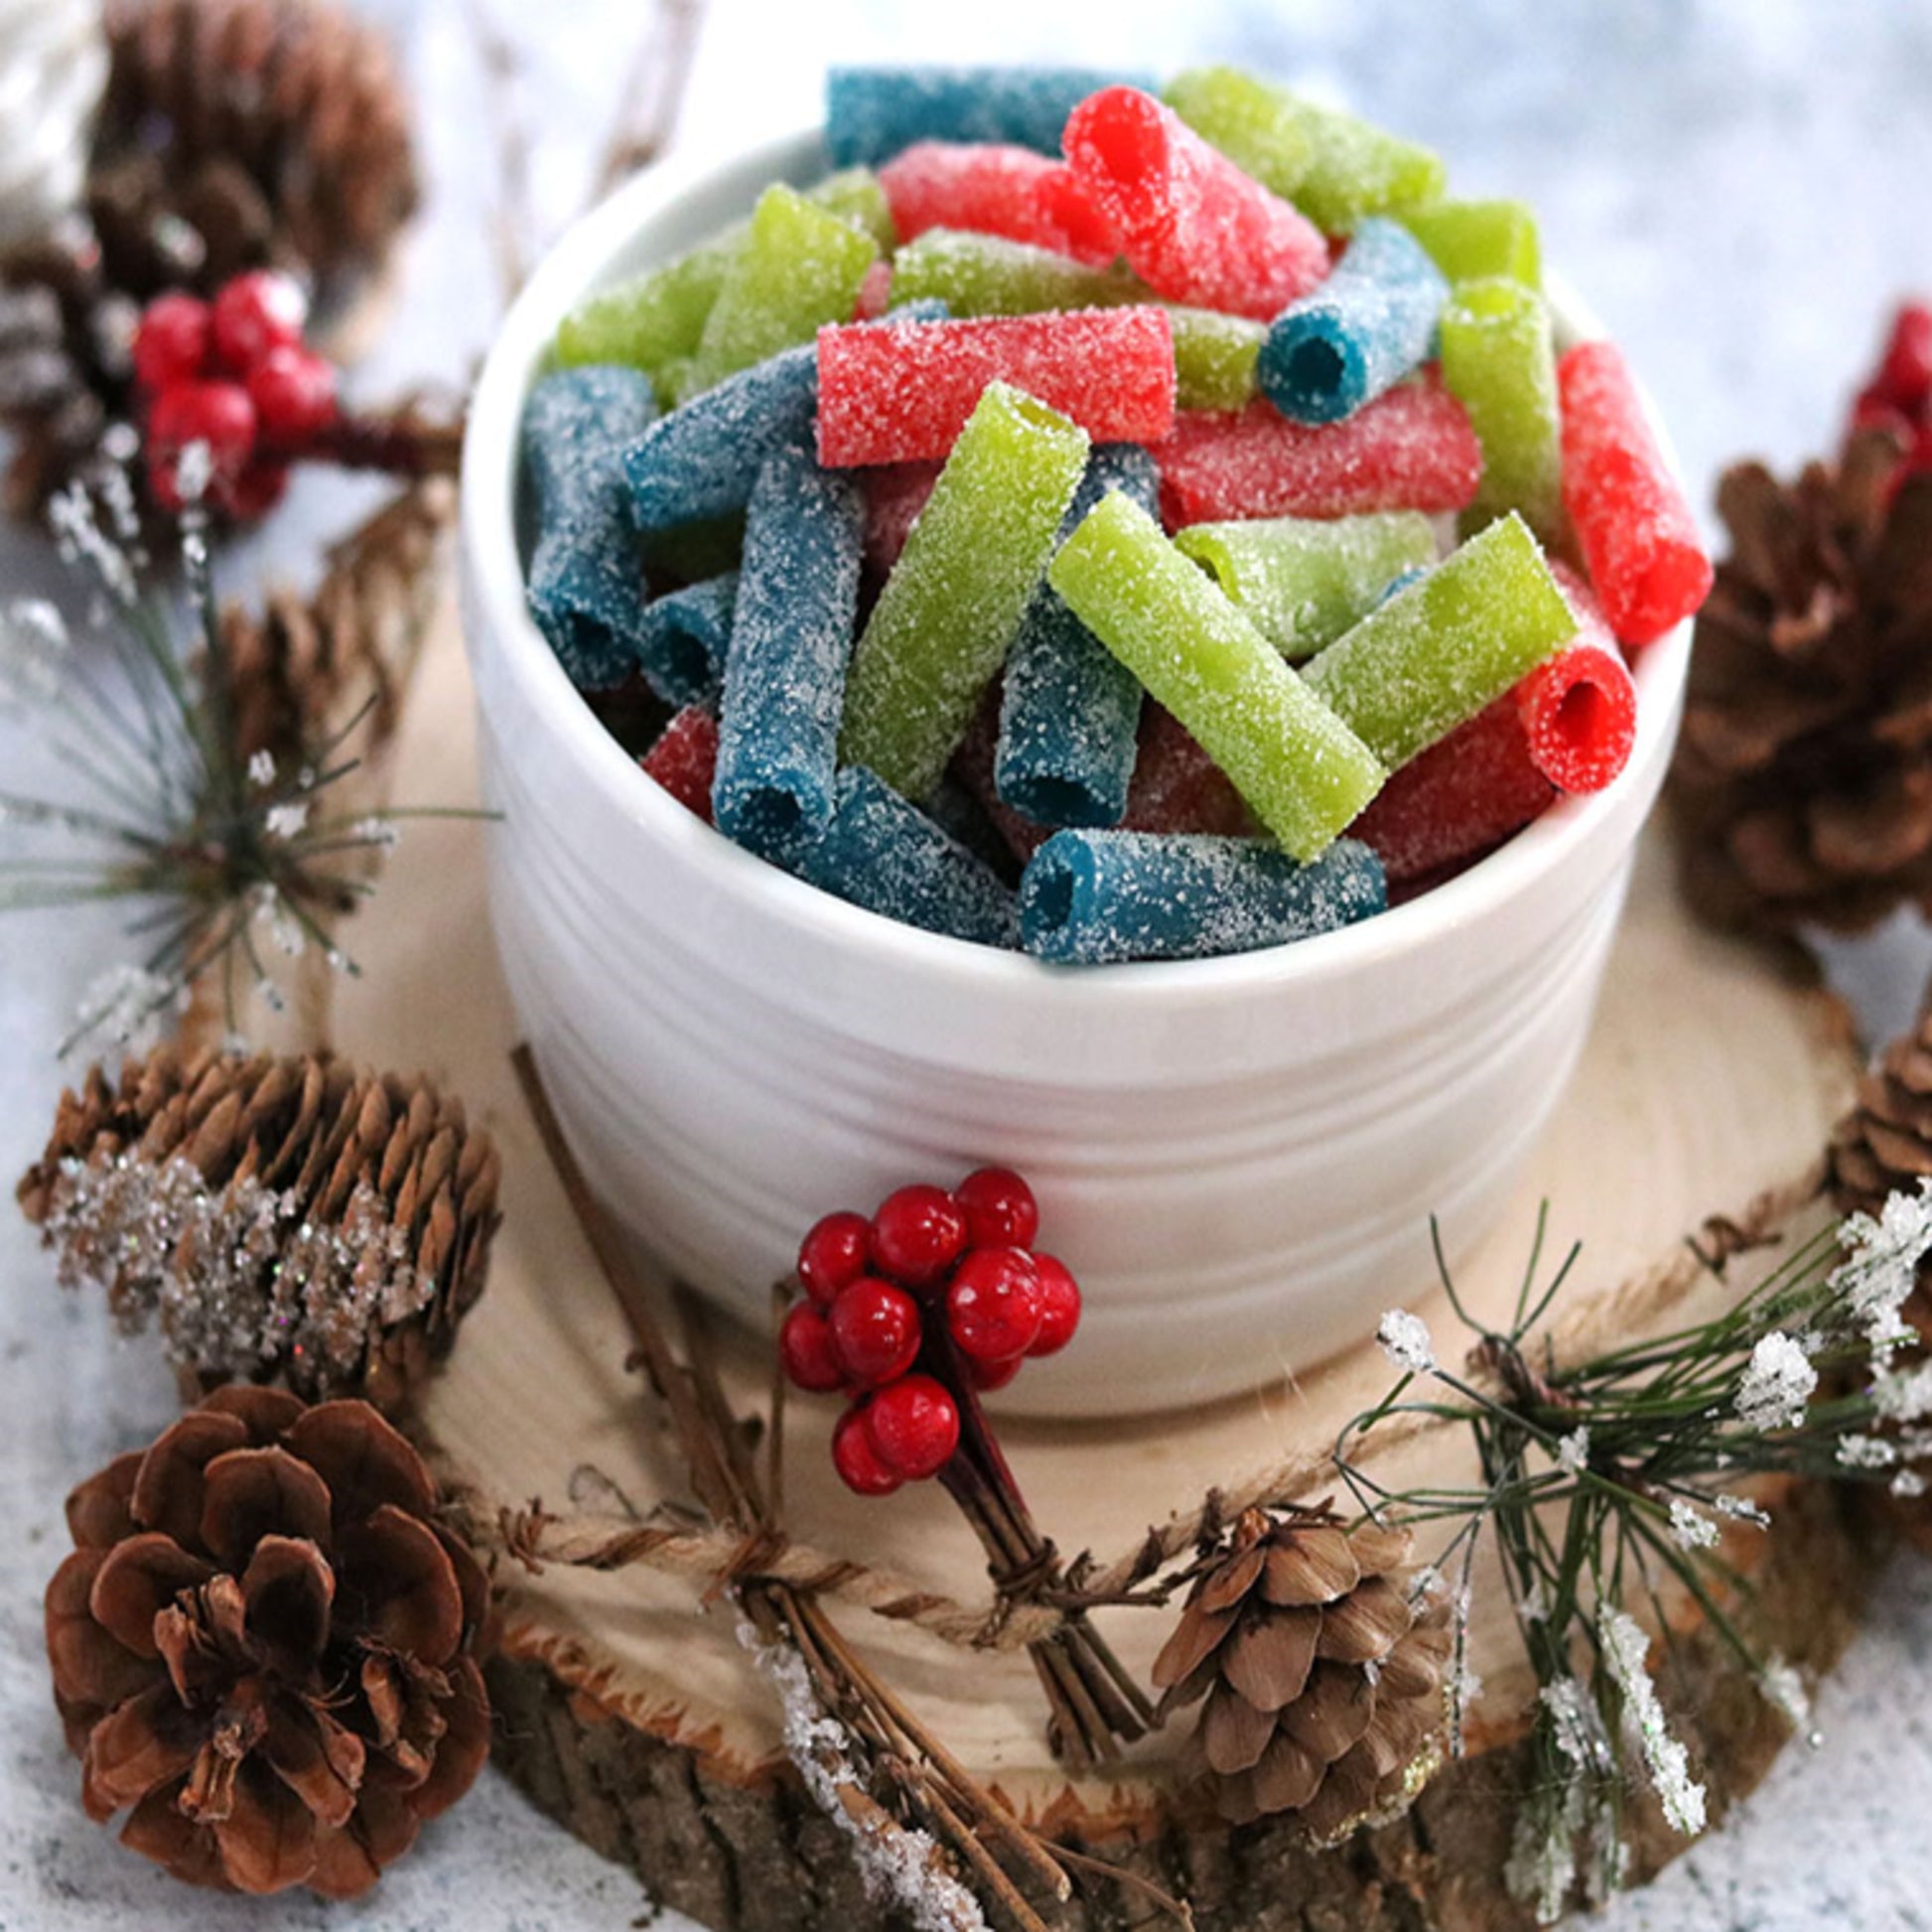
pixel 1802 785
pixel 264 1644
pixel 1324 1677
pixel 280 1219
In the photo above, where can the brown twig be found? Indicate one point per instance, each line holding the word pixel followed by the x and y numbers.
pixel 513 218
pixel 653 93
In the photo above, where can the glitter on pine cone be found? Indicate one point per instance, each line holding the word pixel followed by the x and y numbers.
pixel 290 1219
pixel 1802 787
pixel 264 1643
pixel 1323 1674
pixel 1884 1143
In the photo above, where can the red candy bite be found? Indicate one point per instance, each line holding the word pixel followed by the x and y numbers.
pixel 917 1234
pixel 875 292
pixel 1001 1211
pixel 1194 228
pixel 218 414
pixel 895 494
pixel 983 186
pixel 994 1303
pixel 875 1331
pixel 172 343
pixel 1579 717
pixel 1085 232
pixel 1412 448
pixel 255 313
pixel 858 1463
pixel 294 393
pixel 1638 537
pixel 1059 1307
pixel 834 1255
pixel 915 1427
pixel 807 1352
pixel 684 761
pixel 893 392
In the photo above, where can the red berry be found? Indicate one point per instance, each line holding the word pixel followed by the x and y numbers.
pixel 833 1255
pixel 294 393
pixel 988 1376
pixel 1059 1307
pixel 876 1327
pixel 1905 375
pixel 172 342
pixel 218 414
pixel 807 1352
pixel 994 1303
pixel 857 1460
pixel 915 1427
pixel 1001 1211
pixel 260 487
pixel 1874 409
pixel 917 1234
pixel 255 313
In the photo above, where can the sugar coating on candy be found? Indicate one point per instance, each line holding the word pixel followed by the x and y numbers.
pixel 1415 666
pixel 1499 362
pixel 1304 773
pixel 1215 358
pixel 949 610
pixel 990 275
pixel 684 760
pixel 989 188
pixel 884 854
pixel 586 584
pixel 872 114
pixel 1094 899
pixel 801 267
pixel 1638 536
pixel 895 494
pixel 896 392
pixel 1579 717
pixel 1335 167
pixel 1412 448
pixel 1472 240
pixel 1192 226
pixel 1085 230
pixel 1070 711
pixel 1306 581
pixel 1178 788
pixel 684 636
pixel 1369 324
pixel 784 675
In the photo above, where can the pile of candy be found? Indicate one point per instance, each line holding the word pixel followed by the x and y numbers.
pixel 940 1294
pixel 1049 538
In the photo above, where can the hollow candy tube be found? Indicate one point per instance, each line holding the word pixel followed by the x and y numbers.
pixel 1498 361
pixel 1472 241
pixel 1435 653
pixel 586 584
pixel 1096 898
pixel 991 275
pixel 1579 717
pixel 885 855
pixel 1069 708
pixel 893 392
pixel 1304 582
pixel 1360 333
pixel 1638 537
pixel 1304 773
pixel 871 113
pixel 1335 167
pixel 949 613
pixel 989 188
pixel 684 760
pixel 1412 448
pixel 683 640
pixel 1193 226
pixel 784 675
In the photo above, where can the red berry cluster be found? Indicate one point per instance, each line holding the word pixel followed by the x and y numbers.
pixel 1899 395
pixel 912 1312
pixel 235 374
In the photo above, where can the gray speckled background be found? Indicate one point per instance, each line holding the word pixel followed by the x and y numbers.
pixel 1738 186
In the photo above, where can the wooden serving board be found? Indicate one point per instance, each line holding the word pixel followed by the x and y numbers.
pixel 1707 1089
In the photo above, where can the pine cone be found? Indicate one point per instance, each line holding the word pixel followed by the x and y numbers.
pixel 1885 1142
pixel 279 1219
pixel 1324 1679
pixel 1803 779
pixel 264 1642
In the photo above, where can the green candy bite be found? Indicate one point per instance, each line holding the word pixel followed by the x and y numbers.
pixel 1470 240
pixel 952 604
pixel 1435 653
pixel 1334 168
pixel 1215 358
pixel 1304 583
pixel 1302 771
pixel 987 275
pixel 1499 362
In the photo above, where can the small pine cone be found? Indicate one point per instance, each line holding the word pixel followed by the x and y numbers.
pixel 1884 1143
pixel 1802 786
pixel 265 1643
pixel 288 1219
pixel 1324 1677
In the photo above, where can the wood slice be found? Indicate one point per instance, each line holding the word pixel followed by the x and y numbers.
pixel 1707 1090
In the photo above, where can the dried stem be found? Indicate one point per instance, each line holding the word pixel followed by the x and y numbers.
pixel 653 93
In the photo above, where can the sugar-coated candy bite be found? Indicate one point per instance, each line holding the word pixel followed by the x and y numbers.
pixel 1178 788
pixel 988 188
pixel 784 674
pixel 1500 363
pixel 896 392
pixel 1469 241
pixel 949 610
pixel 1215 357
pixel 1369 324
pixel 1638 536
pixel 1096 898
pixel 888 857
pixel 1069 708
pixel 1335 167
pixel 1304 581
pixel 684 637
pixel 990 275
pixel 872 114
pixel 895 494
pixel 684 761
pixel 1193 226
pixel 1304 773
pixel 1412 448
pixel 1579 717
pixel 1435 655
pixel 586 584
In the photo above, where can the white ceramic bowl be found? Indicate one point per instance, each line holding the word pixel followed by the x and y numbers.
pixel 1235 1156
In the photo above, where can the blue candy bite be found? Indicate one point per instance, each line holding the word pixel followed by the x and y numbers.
pixel 682 645
pixel 871 113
